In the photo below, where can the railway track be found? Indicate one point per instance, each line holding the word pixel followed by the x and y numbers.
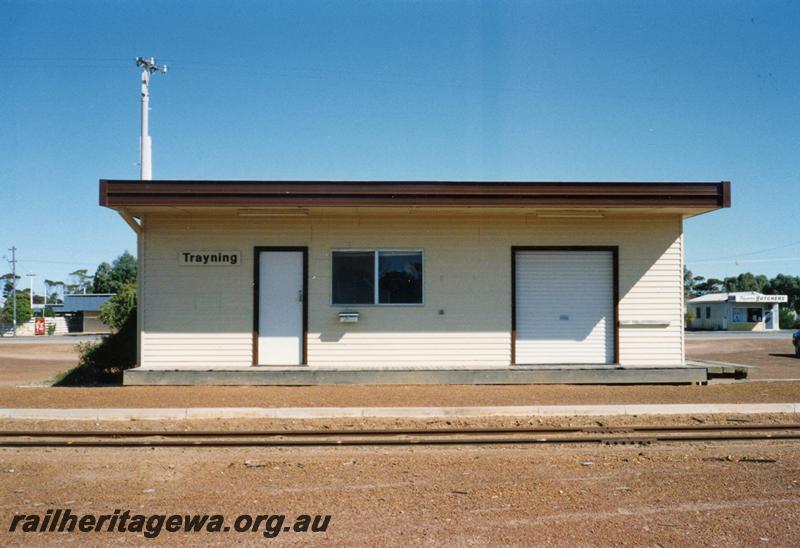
pixel 633 435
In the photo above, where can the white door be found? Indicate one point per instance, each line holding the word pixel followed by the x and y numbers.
pixel 280 308
pixel 564 307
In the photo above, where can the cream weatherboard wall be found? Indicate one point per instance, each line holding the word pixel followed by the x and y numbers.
pixel 203 316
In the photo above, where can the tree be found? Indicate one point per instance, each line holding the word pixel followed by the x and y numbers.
pixel 710 285
pixel 24 311
pixel 746 281
pixel 81 281
pixel 102 279
pixel 111 278
pixel 688 284
pixel 784 284
pixel 51 290
pixel 694 286
pixel 8 283
pixel 47 285
pixel 116 310
pixel 123 271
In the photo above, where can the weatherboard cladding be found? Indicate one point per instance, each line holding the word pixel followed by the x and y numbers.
pixel 202 317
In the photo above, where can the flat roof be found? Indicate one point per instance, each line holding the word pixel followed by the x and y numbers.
pixel 696 196
pixel 84 302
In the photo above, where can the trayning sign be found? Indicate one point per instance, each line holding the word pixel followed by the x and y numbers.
pixel 209 258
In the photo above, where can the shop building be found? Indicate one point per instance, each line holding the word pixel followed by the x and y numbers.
pixel 741 311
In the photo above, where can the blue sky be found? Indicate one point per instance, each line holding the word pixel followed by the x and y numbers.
pixel 554 90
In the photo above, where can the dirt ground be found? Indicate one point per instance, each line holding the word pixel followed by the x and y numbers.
pixel 393 396
pixel 24 363
pixel 734 493
pixel 384 423
pixel 31 363
pixel 737 493
pixel 770 358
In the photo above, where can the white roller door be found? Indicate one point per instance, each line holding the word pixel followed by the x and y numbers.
pixel 564 307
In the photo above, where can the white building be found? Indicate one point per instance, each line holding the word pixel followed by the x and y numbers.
pixel 308 282
pixel 741 311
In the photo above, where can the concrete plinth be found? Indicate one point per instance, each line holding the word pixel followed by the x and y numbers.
pixel 303 376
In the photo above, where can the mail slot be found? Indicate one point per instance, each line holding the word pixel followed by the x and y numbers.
pixel 348 317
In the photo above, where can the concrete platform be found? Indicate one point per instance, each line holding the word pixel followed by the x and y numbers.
pixel 196 413
pixel 305 376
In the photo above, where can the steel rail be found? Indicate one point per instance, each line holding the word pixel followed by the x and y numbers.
pixel 421 437
pixel 396 431
pixel 210 442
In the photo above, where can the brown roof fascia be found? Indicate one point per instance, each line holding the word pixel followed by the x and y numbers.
pixel 125 193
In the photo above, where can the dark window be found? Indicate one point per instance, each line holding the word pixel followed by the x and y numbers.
pixel 754 315
pixel 708 312
pixel 699 313
pixel 353 277
pixel 399 277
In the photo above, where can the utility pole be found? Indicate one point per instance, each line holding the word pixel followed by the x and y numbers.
pixel 13 261
pixel 148 66
pixel 31 275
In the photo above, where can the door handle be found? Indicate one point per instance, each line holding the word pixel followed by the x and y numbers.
pixel 300 295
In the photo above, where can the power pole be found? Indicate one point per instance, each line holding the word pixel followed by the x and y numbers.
pixel 148 66
pixel 13 262
pixel 31 275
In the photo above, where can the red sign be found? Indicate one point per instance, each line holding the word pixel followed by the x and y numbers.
pixel 38 326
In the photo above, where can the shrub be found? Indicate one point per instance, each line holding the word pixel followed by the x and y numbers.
pixel 103 362
pixel 119 308
pixel 51 329
pixel 787 318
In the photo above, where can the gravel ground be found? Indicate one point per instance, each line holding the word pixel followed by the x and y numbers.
pixel 389 423
pixel 770 358
pixel 30 363
pixel 782 334
pixel 738 493
pixel 50 339
pixel 23 363
pixel 394 396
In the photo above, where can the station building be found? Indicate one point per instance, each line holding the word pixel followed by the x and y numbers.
pixel 305 282
pixel 740 311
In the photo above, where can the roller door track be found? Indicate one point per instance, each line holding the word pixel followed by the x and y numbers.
pixel 565 303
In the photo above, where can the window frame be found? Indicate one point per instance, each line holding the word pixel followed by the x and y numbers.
pixel 376 251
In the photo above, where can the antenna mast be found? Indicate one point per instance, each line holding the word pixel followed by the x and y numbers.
pixel 148 66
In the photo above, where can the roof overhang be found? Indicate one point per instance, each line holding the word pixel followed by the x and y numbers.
pixel 690 198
